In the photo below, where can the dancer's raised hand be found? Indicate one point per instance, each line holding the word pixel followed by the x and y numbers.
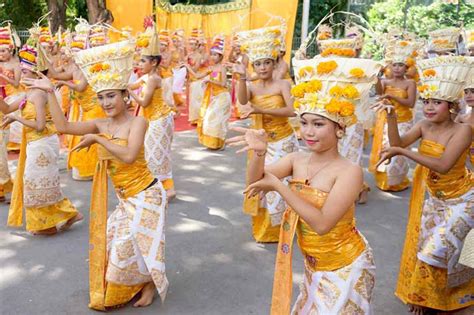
pixel 383 105
pixel 251 139
pixel 42 83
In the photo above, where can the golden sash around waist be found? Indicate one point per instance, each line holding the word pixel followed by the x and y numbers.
pixel 455 183
pixel 277 128
pixel 339 247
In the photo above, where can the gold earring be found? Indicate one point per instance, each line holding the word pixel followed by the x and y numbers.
pixel 339 134
pixel 452 111
pixel 126 100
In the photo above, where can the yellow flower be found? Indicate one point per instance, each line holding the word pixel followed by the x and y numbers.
pixel 313 86
pixel 244 48
pixel 350 92
pixel 410 62
pixel 403 43
pixel 336 91
pixel 429 73
pixel 277 42
pixel 274 54
pixel 326 67
pixel 347 109
pixel 143 42
pixel 296 104
pixel 357 73
pixel 333 107
pixel 298 91
pixel 422 88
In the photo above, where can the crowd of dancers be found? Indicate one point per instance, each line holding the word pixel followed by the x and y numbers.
pixel 111 99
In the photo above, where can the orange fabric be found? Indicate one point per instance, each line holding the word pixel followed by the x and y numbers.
pixel 131 15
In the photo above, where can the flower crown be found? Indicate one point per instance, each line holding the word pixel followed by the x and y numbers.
pixel 107 67
pixel 148 42
pixel 400 50
pixel 218 46
pixel 338 47
pixel 262 43
pixel 444 39
pixel 445 77
pixel 6 38
pixel 333 87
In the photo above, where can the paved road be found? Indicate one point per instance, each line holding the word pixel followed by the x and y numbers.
pixel 213 264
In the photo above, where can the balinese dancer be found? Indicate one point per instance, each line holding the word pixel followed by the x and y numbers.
pixel 159 115
pixel 401 92
pixel 441 209
pixel 10 74
pixel 37 185
pixel 165 68
pixel 215 108
pixel 9 81
pixel 339 275
pixel 178 57
pixel 85 105
pixel 269 103
pixel 126 251
pixel 198 62
pixel 236 56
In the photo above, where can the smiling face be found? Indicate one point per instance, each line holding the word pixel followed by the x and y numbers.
pixel 469 97
pixel 112 102
pixel 436 110
pixel 318 132
pixel 264 68
pixel 398 69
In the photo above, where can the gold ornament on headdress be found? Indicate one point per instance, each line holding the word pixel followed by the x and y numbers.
pixel 107 67
pixel 333 87
pixel 148 42
pixel 445 77
pixel 444 39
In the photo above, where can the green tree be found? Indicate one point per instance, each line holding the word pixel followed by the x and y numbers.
pixel 420 18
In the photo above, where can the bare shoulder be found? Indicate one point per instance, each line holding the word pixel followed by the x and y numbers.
pixel 463 128
pixel 410 82
pixel 139 121
pixel 348 170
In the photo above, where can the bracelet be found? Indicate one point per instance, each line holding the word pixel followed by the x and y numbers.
pixel 262 154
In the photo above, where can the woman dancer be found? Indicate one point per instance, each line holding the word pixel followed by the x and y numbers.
pixel 339 268
pixel 430 277
pixel 37 185
pixel 126 253
pixel 268 102
pixel 401 92
pixel 215 108
pixel 159 115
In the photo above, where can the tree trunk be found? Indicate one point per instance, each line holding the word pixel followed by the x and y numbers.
pixel 94 8
pixel 58 14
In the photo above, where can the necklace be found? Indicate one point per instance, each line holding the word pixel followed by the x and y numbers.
pixel 116 129
pixel 310 178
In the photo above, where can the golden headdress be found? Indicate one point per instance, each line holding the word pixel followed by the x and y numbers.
pixel 445 77
pixel 218 44
pixel 107 67
pixel 197 36
pixel 324 32
pixel 261 43
pixel 32 55
pixel 148 42
pixel 178 34
pixel 97 36
pixel 79 38
pixel 333 87
pixel 444 40
pixel 345 47
pixel 6 37
pixel 165 38
pixel 400 50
